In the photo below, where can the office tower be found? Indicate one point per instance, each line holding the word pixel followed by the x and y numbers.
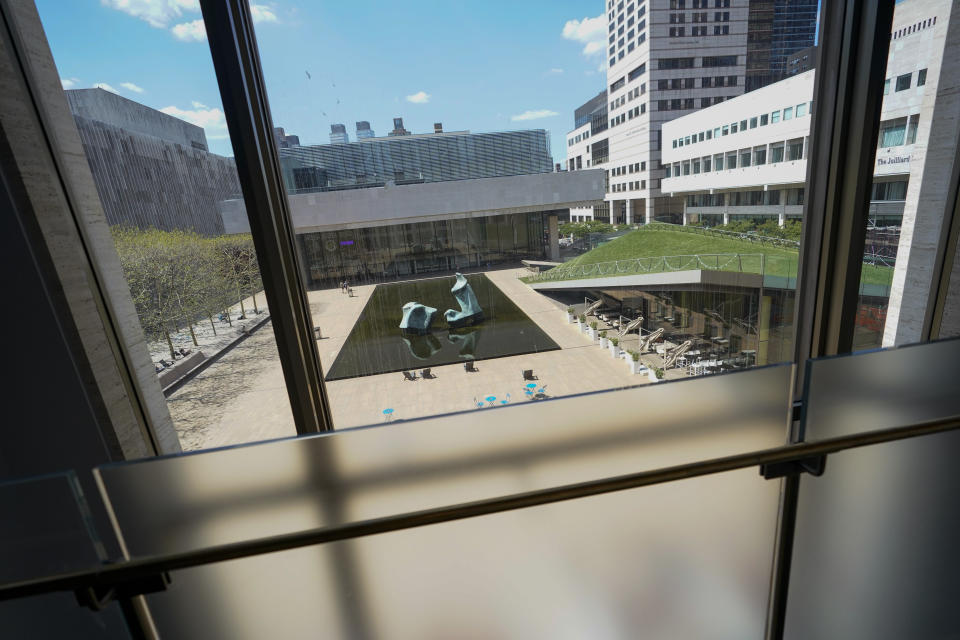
pixel 338 134
pixel 151 170
pixel 283 140
pixel 665 59
pixel 438 127
pixel 364 131
pixel 398 129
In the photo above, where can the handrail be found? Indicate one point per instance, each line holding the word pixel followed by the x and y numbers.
pixel 733 235
pixel 653 264
pixel 129 571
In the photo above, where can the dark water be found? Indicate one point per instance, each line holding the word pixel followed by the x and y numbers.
pixel 376 344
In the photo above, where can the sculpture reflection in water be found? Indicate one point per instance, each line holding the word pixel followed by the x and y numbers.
pixel 422 347
pixel 466 341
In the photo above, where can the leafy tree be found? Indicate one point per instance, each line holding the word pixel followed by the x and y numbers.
pixel 585 228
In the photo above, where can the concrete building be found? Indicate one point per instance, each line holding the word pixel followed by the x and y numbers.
pixel 800 61
pixel 665 60
pixel 151 170
pixel 338 134
pixel 364 131
pixel 431 157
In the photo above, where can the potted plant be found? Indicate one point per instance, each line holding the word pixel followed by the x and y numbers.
pixel 603 340
pixel 582 323
pixel 593 331
pixel 570 315
pixel 652 374
pixel 614 347
pixel 635 365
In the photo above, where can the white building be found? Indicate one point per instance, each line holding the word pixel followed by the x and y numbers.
pixel 667 58
pixel 747 157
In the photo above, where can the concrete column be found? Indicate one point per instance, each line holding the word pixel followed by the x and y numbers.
pixel 726 217
pixel 628 212
pixel 553 249
pixel 782 219
pixel 648 218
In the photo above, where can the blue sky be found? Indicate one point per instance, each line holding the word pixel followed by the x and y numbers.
pixel 483 67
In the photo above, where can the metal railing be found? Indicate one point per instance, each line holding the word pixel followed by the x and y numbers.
pixel 731 235
pixel 737 262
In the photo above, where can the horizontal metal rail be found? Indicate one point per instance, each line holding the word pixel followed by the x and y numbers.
pixel 114 575
pixel 658 264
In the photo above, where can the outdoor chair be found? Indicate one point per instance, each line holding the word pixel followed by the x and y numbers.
pixel 469 366
pixel 528 375
pixel 425 374
pixel 409 375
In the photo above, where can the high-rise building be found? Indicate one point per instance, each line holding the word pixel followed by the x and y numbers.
pixel 398 129
pixel 283 140
pixel 338 134
pixel 364 131
pixel 668 58
pixel 151 170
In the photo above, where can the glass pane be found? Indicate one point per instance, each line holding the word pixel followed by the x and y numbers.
pixel 874 553
pixel 584 569
pixel 160 159
pixel 546 222
pixel 709 544
pixel 911 180
pixel 879 390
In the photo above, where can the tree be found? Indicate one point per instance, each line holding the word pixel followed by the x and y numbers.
pixel 238 262
pixel 585 228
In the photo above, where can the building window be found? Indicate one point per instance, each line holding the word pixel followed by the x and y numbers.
pixel 688 83
pixel 726 129
pixel 886 86
pixel 731 160
pixel 893 133
pixel 753 123
pixel 795 149
pixel 719 61
pixel 759 156
pixel 745 158
pixel 733 127
pixel 718 162
pixel 663 85
pixel 903 82
pixel 775 116
pixel 921 77
pixel 776 153
pixel 688 103
pixel 788 113
pixel 763 120
pixel 801 110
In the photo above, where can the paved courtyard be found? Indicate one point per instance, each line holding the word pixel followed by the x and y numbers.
pixel 241 398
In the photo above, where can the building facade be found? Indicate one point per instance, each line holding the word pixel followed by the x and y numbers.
pixel 458 155
pixel 283 140
pixel 668 58
pixel 151 170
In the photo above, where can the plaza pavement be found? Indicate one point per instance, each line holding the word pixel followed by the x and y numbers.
pixel 241 398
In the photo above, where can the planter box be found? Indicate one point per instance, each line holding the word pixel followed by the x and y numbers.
pixel 636 367
pixel 652 375
pixel 615 351
pixel 569 318
pixel 604 343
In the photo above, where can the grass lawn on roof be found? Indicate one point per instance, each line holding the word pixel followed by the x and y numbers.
pixel 656 241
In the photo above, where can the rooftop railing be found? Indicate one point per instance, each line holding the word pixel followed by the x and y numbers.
pixel 736 262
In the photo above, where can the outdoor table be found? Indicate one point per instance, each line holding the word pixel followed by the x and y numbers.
pixel 387 414
pixel 491 399
pixel 531 385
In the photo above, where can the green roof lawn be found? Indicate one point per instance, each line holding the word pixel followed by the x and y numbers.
pixel 656 242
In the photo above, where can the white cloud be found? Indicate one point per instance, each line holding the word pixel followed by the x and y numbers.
pixel 263 13
pixel 190 31
pixel 420 97
pixel 69 83
pixel 531 114
pixel 105 87
pixel 555 71
pixel 211 120
pixel 198 105
pixel 157 13
pixel 592 32
pixel 131 87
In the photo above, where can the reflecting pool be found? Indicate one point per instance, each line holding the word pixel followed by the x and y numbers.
pixel 377 345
